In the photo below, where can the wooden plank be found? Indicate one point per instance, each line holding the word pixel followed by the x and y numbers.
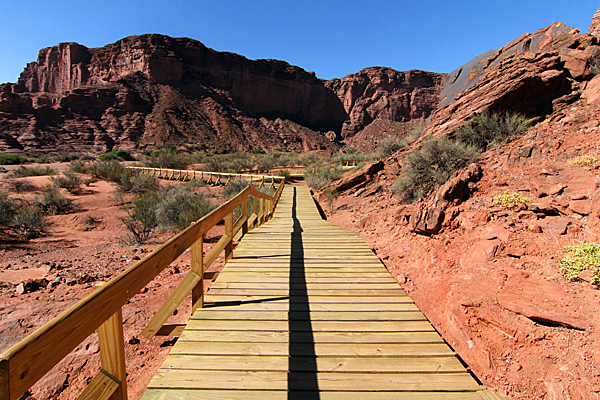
pixel 101 387
pixel 112 353
pixel 197 261
pixel 217 314
pixel 321 364
pixel 316 349
pixel 4 380
pixel 174 300
pixel 309 292
pixel 207 394
pixel 373 286
pixel 311 337
pixel 325 326
pixel 214 298
pixel 302 380
pixel 171 330
pixel 305 306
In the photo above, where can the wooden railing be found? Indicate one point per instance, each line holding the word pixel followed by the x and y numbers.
pixel 25 363
pixel 215 178
pixel 300 168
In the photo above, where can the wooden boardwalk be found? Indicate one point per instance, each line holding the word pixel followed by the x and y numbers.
pixel 305 310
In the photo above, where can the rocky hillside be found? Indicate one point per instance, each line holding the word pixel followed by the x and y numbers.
pixel 145 91
pixel 485 272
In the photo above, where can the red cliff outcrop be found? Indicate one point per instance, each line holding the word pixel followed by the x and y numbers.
pixel 144 91
pixel 383 93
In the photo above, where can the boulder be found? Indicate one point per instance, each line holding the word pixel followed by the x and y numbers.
pixel 428 218
pixel 361 176
pixel 595 24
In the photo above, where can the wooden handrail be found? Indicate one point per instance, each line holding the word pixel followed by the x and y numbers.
pixel 302 167
pixel 188 174
pixel 26 362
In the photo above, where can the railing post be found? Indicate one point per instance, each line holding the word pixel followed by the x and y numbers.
pixel 262 212
pixel 198 267
pixel 255 210
pixel 229 233
pixel 4 380
pixel 245 214
pixel 112 352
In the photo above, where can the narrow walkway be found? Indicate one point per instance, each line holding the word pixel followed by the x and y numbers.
pixel 305 310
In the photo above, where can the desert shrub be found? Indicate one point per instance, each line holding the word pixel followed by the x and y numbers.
pixel 52 202
pixel 388 146
pixel 330 195
pixel 509 199
pixel 179 206
pixel 141 219
pixel 30 221
pixel 290 159
pixel 12 159
pixel 593 62
pixel 116 154
pixel 238 161
pixel 167 159
pixel 79 166
pixel 580 257
pixel 318 177
pixel 21 185
pixel 431 166
pixel 23 171
pixel 68 181
pixel 587 160
pixel 136 183
pixel 287 176
pixel 7 208
pixel 487 128
pixel 110 171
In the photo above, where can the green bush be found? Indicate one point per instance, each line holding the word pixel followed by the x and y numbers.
pixel 110 171
pixel 318 177
pixel 116 154
pixel 23 171
pixel 509 199
pixel 68 181
pixel 579 258
pixel 287 175
pixel 388 146
pixel 7 208
pixel 179 206
pixel 431 166
pixel 12 159
pixel 79 166
pixel 30 221
pixel 141 219
pixel 485 129
pixel 52 202
pixel 21 185
pixel 167 159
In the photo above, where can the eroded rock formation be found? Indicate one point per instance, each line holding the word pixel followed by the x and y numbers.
pixel 153 89
pixel 386 94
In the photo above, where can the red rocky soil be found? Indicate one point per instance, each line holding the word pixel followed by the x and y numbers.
pixel 486 276
pixel 65 266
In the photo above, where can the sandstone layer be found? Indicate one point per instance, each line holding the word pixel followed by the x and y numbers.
pixel 149 90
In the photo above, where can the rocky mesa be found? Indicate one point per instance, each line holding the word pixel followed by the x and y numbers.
pixel 144 91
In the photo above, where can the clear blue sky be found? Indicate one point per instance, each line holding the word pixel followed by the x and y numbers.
pixel 331 37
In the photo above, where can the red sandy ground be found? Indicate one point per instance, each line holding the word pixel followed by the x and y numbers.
pixel 490 268
pixel 84 255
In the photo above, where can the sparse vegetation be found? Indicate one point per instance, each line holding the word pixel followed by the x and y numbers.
pixel 581 257
pixel 587 160
pixel 171 159
pixel 12 159
pixel 180 206
pixel 319 177
pixel 431 166
pixel 30 221
pixel 23 171
pixel 491 128
pixel 21 185
pixel 7 208
pixel 388 146
pixel 68 181
pixel 141 220
pixel 116 154
pixel 331 195
pixel 52 202
pixel 509 199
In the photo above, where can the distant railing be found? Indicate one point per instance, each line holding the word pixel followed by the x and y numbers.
pixel 215 178
pixel 297 169
pixel 25 363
